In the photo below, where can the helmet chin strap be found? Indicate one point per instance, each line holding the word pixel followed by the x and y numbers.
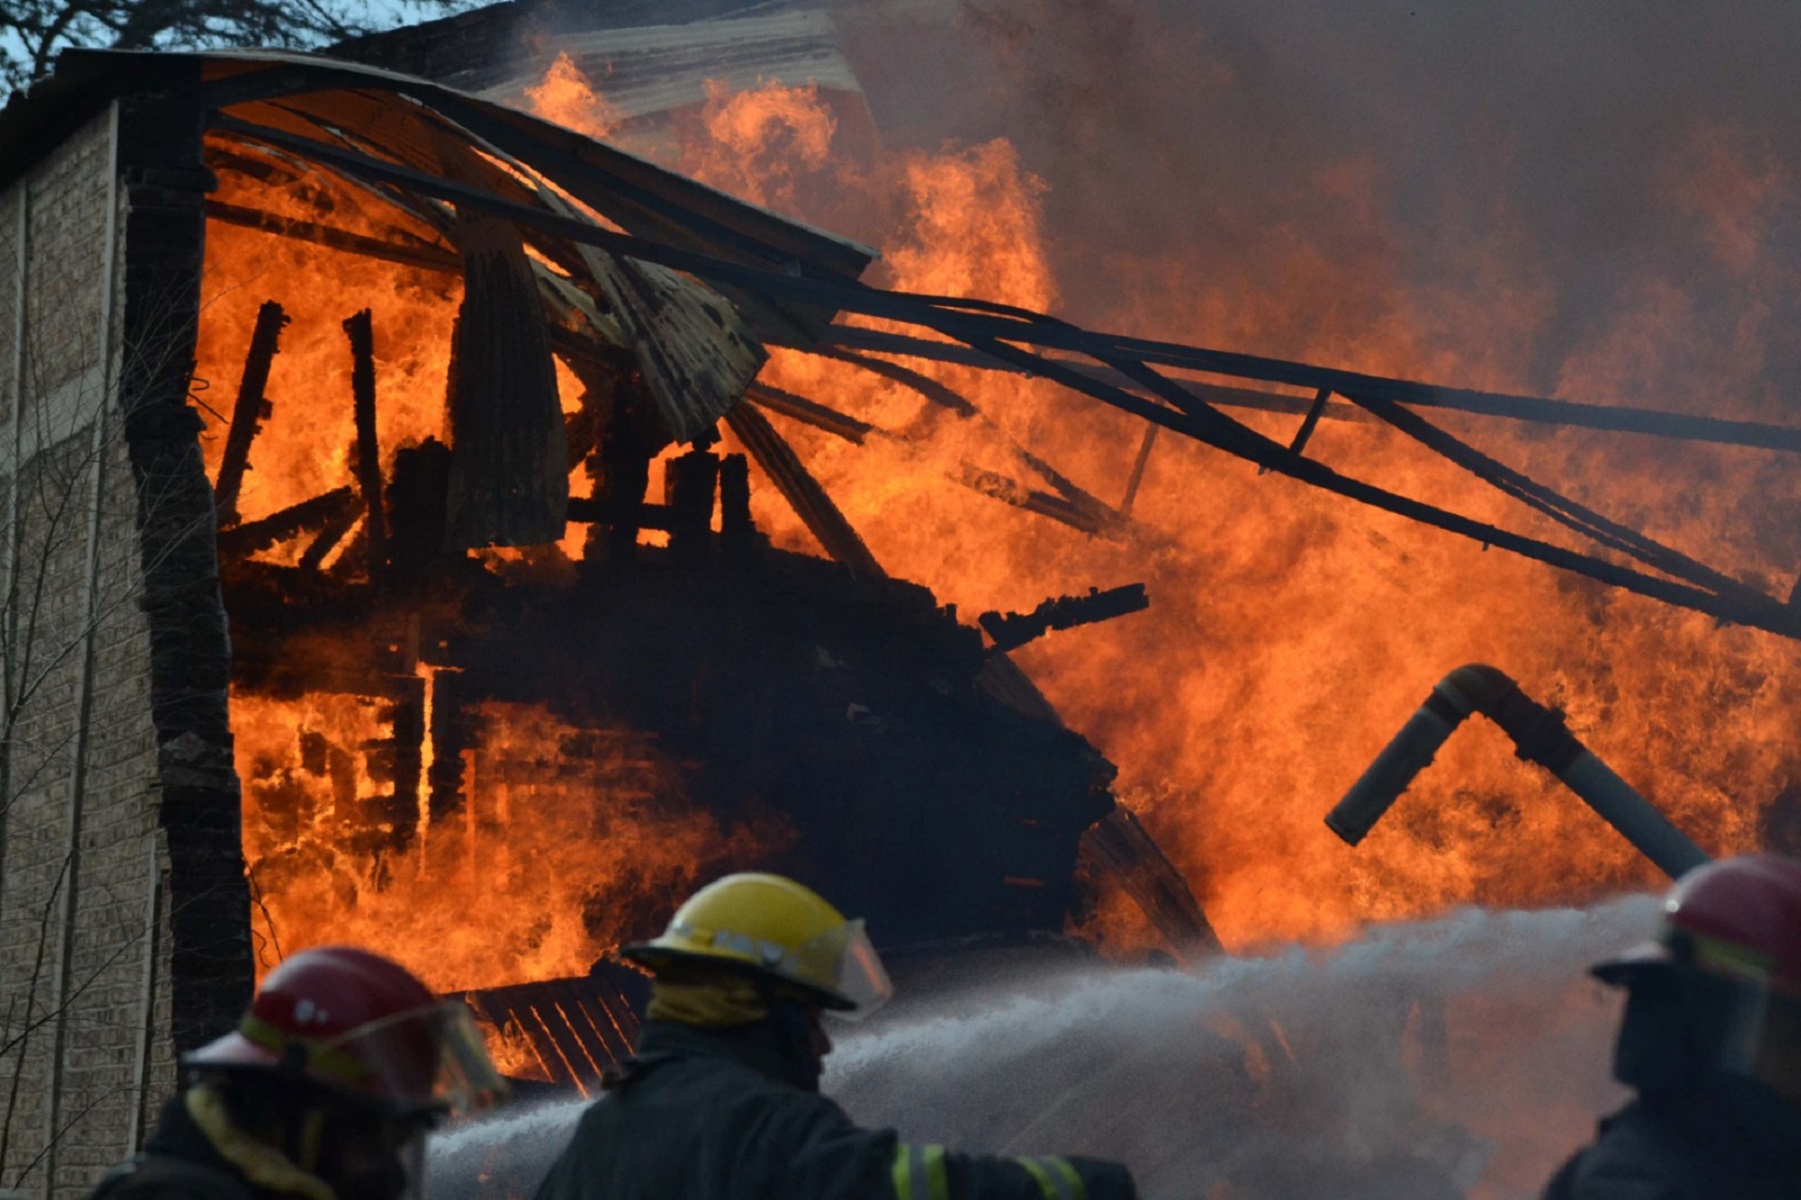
pixel 794 1032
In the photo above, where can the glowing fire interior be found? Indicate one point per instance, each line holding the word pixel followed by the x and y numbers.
pixel 1289 632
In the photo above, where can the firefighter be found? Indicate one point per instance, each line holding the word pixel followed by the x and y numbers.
pixel 325 1091
pixel 721 1100
pixel 1711 1042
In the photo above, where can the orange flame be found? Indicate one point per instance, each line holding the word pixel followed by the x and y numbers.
pixel 568 840
pixel 566 97
pixel 1291 633
pixel 306 445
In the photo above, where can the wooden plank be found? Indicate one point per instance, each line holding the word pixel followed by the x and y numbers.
pixel 620 1017
pixel 320 512
pixel 361 331
pixel 799 408
pixel 509 467
pixel 810 502
pixel 1013 630
pixel 694 352
pixel 1122 845
pixel 422 256
pixel 542 1030
pixel 1138 465
pixel 251 409
pixel 660 201
pixel 548 1007
pixel 1078 511
pixel 582 1003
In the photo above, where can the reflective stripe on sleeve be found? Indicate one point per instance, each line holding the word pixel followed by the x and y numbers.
pixel 919 1173
pixel 1056 1178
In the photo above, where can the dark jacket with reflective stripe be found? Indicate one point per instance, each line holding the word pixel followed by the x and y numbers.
pixel 179 1163
pixel 705 1115
pixel 1687 1147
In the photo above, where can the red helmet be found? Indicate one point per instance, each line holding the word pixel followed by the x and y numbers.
pixel 1739 918
pixel 1731 943
pixel 359 1022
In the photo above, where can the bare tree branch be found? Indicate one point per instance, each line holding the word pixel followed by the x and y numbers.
pixel 34 32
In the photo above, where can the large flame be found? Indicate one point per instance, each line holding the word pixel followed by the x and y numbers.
pixel 568 840
pixel 307 444
pixel 1292 632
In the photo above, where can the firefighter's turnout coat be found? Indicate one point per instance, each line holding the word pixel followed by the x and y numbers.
pixel 1683 1146
pixel 708 1115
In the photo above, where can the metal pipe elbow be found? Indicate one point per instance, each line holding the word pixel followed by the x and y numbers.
pixel 1539 735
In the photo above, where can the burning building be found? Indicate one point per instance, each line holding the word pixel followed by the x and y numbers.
pixel 375 578
pixel 433 528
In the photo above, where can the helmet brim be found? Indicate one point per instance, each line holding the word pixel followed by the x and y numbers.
pixel 430 1059
pixel 232 1050
pixel 1634 963
pixel 654 958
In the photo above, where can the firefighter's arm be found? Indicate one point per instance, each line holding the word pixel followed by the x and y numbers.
pixel 925 1172
pixel 830 1158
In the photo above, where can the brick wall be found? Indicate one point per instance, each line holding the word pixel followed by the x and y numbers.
pixel 123 921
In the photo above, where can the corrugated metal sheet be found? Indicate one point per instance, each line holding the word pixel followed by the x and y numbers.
pixel 654 69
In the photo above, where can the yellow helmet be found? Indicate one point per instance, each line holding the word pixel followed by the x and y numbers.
pixel 778 929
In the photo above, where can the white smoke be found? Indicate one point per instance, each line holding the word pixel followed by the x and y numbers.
pixel 1306 1074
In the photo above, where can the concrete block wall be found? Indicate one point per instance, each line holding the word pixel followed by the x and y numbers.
pixel 123 918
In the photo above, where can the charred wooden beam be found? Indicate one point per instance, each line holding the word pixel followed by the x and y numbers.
pixel 799 408
pixel 737 531
pixel 318 513
pixel 422 255
pixel 332 532
pixel 1308 424
pixel 409 759
pixel 251 409
pixel 361 331
pixel 591 351
pixel 601 382
pixel 810 502
pixel 875 341
pixel 596 510
pixel 418 492
pixel 1001 680
pixel 1094 519
pixel 453 733
pixel 1008 491
pixel 1012 630
pixel 1104 517
pixel 509 476
pixel 1138 465
pixel 1121 845
pixel 1073 506
pixel 690 484
pixel 925 385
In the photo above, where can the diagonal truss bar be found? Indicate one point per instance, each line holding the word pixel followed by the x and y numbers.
pixel 1562 509
pixel 1605 417
pixel 1756 610
pixel 1003 333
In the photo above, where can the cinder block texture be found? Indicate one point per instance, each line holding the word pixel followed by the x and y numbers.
pixel 124 931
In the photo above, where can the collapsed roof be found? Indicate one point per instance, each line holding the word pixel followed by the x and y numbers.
pixel 697 347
